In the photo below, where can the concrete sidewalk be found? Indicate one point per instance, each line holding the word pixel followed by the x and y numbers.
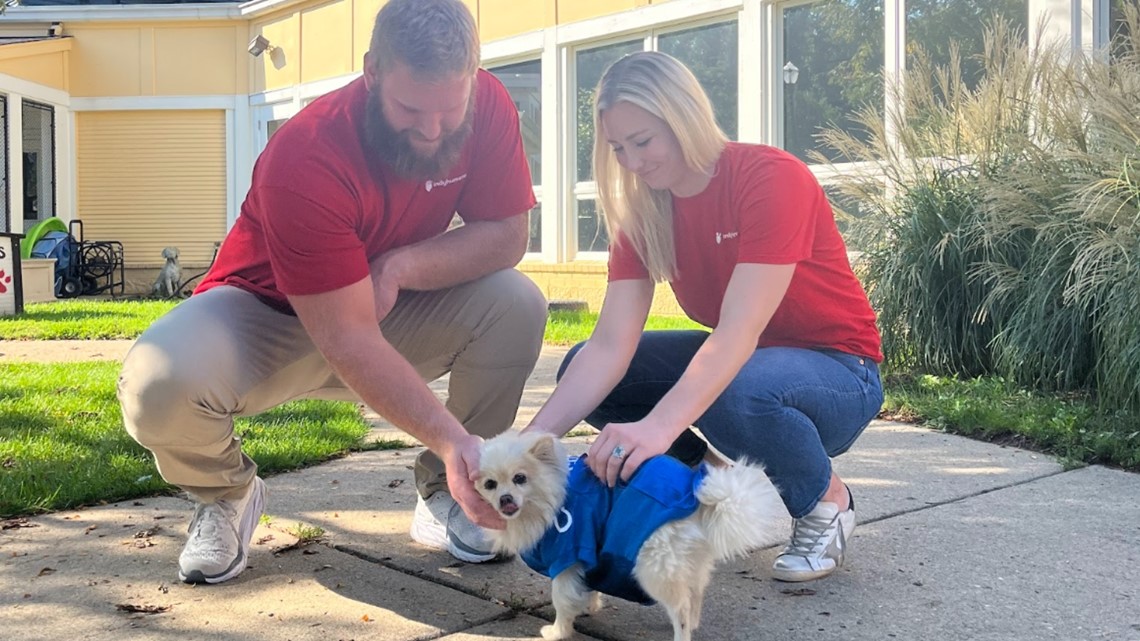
pixel 956 540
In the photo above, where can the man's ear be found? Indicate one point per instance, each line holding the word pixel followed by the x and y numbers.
pixel 371 78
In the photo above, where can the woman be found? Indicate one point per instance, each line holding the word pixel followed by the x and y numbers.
pixel 748 242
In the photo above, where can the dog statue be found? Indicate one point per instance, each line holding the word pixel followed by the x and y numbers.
pixel 166 285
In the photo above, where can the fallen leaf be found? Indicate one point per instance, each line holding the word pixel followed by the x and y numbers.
pixel 46 571
pixel 799 592
pixel 12 524
pixel 366 619
pixel 265 539
pixel 307 551
pixel 89 528
pixel 143 609
pixel 142 534
pixel 143 543
pixel 396 483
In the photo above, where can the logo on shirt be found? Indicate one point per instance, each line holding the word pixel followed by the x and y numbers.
pixel 562 528
pixel 726 236
pixel 430 184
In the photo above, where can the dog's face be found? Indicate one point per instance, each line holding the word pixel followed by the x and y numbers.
pixel 523 476
pixel 170 253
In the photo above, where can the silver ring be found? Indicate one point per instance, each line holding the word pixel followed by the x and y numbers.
pixel 619 452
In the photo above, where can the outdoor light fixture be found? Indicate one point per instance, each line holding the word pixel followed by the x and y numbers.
pixel 55 30
pixel 259 45
pixel 791 73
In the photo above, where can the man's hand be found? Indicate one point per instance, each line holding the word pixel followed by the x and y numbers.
pixel 462 463
pixel 386 283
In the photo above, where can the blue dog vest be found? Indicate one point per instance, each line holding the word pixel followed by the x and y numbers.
pixel 604 528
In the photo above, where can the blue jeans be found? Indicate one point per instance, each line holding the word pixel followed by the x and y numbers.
pixel 790 408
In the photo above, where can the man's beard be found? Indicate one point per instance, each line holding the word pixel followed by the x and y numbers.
pixel 395 147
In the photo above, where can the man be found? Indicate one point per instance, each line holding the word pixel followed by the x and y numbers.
pixel 339 281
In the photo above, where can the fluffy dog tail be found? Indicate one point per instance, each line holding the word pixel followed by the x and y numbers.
pixel 740 510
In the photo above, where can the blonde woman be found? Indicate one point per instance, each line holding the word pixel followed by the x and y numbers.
pixel 745 236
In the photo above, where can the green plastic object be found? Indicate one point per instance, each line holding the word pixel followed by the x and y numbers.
pixel 37 231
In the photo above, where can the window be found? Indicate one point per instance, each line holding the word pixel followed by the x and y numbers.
pixel 524 82
pixel 1119 30
pixel 711 53
pixel 590 64
pixel 832 66
pixel 935 25
pixel 39 161
pixel 272 126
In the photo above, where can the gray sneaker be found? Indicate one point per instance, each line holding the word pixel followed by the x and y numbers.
pixel 220 532
pixel 819 544
pixel 439 523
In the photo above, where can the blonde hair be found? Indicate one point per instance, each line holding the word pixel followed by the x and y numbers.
pixel 435 38
pixel 661 85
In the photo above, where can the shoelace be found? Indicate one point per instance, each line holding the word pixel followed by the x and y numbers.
pixel 208 521
pixel 808 534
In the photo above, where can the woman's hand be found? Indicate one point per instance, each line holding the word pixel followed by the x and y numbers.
pixel 621 448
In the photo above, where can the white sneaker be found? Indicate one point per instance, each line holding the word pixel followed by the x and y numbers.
pixel 819 543
pixel 440 524
pixel 219 537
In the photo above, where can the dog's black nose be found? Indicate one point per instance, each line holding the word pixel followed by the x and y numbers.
pixel 506 500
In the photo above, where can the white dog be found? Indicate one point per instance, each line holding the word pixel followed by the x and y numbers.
pixel 526 478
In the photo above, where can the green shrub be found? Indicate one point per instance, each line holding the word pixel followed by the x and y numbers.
pixel 1003 221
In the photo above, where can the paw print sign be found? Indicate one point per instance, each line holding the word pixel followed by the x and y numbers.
pixel 10 303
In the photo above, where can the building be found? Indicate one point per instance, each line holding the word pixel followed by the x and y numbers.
pixel 144 119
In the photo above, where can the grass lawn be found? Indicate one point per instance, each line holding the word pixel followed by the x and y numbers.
pixel 62 443
pixel 103 319
pixel 1070 427
pixel 83 319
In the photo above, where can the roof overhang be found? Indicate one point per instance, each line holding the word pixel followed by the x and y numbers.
pixel 123 13
pixel 23 47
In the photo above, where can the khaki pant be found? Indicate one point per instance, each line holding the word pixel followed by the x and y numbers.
pixel 224 353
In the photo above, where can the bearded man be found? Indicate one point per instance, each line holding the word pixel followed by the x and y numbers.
pixel 341 280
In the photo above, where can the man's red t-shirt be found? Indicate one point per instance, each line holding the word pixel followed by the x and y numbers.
pixel 321 205
pixel 765 206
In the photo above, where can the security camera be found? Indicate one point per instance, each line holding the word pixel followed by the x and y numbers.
pixel 259 45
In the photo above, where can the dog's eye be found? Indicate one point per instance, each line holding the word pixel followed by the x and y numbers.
pixel 490 484
pixel 520 479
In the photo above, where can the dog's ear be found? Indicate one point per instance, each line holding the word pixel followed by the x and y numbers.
pixel 543 448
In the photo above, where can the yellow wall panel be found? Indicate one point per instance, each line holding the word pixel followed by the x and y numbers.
pixel 281 67
pixel 157 59
pixel 505 18
pixel 106 61
pixel 574 10
pixel 196 60
pixel 473 6
pixel 151 179
pixel 326 34
pixel 363 17
pixel 48 69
